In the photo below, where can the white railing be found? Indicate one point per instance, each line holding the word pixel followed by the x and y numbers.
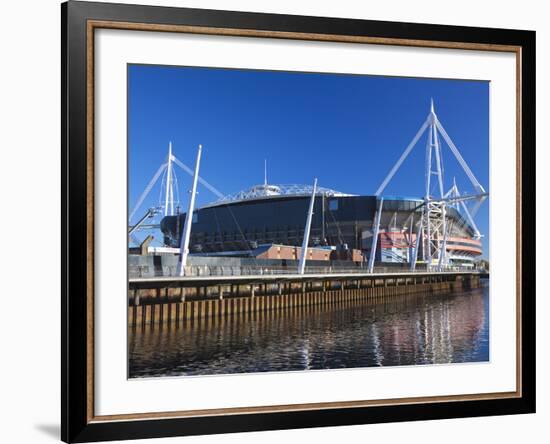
pixel 217 270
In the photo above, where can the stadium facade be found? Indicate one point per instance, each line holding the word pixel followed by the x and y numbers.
pixel 276 214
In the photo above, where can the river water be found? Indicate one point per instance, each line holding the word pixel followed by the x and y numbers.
pixel 402 330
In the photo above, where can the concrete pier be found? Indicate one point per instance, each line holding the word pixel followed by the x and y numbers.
pixel 177 300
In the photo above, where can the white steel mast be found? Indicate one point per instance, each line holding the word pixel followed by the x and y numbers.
pixel 169 199
pixel 416 246
pixel 433 227
pixel 184 245
pixel 302 263
pixel 375 231
pixel 168 195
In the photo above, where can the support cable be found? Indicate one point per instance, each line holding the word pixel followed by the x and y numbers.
pixel 201 180
pixel 147 190
pixel 407 151
pixel 459 157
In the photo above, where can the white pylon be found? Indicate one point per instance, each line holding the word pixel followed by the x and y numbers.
pixel 169 194
pixel 435 221
pixel 305 242
pixel 416 246
pixel 454 193
pixel 375 231
pixel 433 229
pixel 184 246
pixel 435 126
pixel 169 191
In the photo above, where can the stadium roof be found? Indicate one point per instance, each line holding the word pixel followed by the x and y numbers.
pixel 264 191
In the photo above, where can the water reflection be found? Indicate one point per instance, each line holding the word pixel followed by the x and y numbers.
pixel 406 330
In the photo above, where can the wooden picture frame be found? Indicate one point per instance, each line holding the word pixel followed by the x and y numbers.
pixel 79 22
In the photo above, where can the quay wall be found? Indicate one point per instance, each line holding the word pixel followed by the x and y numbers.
pixel 169 304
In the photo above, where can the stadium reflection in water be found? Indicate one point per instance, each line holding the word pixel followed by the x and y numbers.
pixel 411 330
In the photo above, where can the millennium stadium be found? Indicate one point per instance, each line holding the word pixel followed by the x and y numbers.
pixel 283 222
pixel 275 215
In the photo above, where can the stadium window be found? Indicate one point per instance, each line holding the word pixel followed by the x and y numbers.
pixel 333 204
pixel 195 218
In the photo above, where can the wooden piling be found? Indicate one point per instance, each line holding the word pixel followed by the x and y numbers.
pixel 178 305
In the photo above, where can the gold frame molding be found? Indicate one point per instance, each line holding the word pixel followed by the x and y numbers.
pixel 92 25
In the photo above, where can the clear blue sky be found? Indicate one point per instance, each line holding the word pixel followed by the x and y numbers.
pixel 346 130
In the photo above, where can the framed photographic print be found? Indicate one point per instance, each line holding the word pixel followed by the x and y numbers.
pixel 276 221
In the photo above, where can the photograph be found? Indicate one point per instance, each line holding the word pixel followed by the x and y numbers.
pixel 299 220
pixel 289 221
